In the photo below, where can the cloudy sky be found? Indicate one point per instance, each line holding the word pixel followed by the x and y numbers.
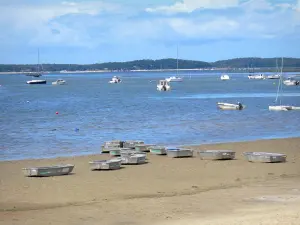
pixel 91 31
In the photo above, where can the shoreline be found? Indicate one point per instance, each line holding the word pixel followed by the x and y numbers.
pixel 165 191
pixel 179 145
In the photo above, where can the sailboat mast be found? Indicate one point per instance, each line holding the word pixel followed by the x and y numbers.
pixel 38 65
pixel 281 78
pixel 177 62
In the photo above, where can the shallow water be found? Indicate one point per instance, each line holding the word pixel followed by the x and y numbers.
pixel 133 109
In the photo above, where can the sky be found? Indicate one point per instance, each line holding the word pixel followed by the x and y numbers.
pixel 96 31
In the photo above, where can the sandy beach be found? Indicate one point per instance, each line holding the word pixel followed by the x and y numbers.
pixel 165 191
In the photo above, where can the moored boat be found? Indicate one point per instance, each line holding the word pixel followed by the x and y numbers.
pixel 47 171
pixel 174 79
pixel 257 77
pixel 59 82
pixel 163 85
pixel 36 82
pixel 230 106
pixel 225 77
pixel 115 80
pixel 275 76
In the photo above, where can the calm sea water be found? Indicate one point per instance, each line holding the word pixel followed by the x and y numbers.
pixel 91 111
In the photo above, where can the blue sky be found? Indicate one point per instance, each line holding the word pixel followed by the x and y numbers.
pixel 95 31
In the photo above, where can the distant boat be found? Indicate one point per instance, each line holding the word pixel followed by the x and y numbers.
pixel 115 80
pixel 291 82
pixel 59 82
pixel 174 79
pixel 225 77
pixel 257 77
pixel 276 76
pixel 230 106
pixel 36 82
pixel 163 85
pixel 281 107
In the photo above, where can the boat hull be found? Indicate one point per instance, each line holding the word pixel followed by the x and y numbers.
pixel 37 82
pixel 265 157
pixel 49 171
pixel 280 108
pixel 179 153
pixel 217 154
pixel 228 106
pixel 112 164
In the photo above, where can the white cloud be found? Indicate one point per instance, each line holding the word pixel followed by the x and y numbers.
pixel 192 5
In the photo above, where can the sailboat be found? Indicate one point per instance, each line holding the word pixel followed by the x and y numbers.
pixel 281 107
pixel 175 78
pixel 37 74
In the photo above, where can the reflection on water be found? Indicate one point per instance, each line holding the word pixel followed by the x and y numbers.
pixel 91 111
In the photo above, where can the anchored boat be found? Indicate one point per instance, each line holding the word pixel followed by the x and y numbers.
pixel 230 106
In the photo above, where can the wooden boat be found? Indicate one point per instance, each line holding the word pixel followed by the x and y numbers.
pixel 48 171
pixel 158 150
pixel 179 152
pixel 217 154
pixel 132 144
pixel 133 158
pixel 230 106
pixel 264 157
pixel 111 164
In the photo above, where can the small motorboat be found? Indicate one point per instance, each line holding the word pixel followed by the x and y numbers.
pixel 48 171
pixel 230 106
pixel 111 164
pixel 36 82
pixel 281 107
pixel 115 80
pixel 264 157
pixel 225 77
pixel 291 82
pixel 257 77
pixel 59 82
pixel 217 154
pixel 179 152
pixel 163 85
pixel 275 76
pixel 174 79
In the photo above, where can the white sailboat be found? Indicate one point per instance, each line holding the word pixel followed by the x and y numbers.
pixel 175 78
pixel 37 74
pixel 281 107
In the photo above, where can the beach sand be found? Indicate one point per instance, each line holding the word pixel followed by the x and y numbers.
pixel 165 191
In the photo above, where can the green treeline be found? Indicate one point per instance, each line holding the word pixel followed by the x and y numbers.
pixel 147 64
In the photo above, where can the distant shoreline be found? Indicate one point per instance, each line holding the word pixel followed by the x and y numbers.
pixel 222 70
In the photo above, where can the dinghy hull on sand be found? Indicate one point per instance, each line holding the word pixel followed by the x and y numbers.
pixel 48 171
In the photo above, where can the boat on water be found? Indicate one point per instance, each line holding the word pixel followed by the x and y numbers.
pixel 115 80
pixel 280 106
pixel 275 76
pixel 59 82
pixel 174 79
pixel 290 81
pixel 256 77
pixel 163 85
pixel 47 171
pixel 225 77
pixel 230 106
pixel 36 82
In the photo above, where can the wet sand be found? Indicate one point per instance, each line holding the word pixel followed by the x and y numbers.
pixel 163 191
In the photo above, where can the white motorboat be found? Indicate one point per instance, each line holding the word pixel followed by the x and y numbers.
pixel 115 80
pixel 291 82
pixel 230 106
pixel 281 107
pixel 36 82
pixel 275 76
pixel 257 77
pixel 174 79
pixel 225 77
pixel 59 82
pixel 163 85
